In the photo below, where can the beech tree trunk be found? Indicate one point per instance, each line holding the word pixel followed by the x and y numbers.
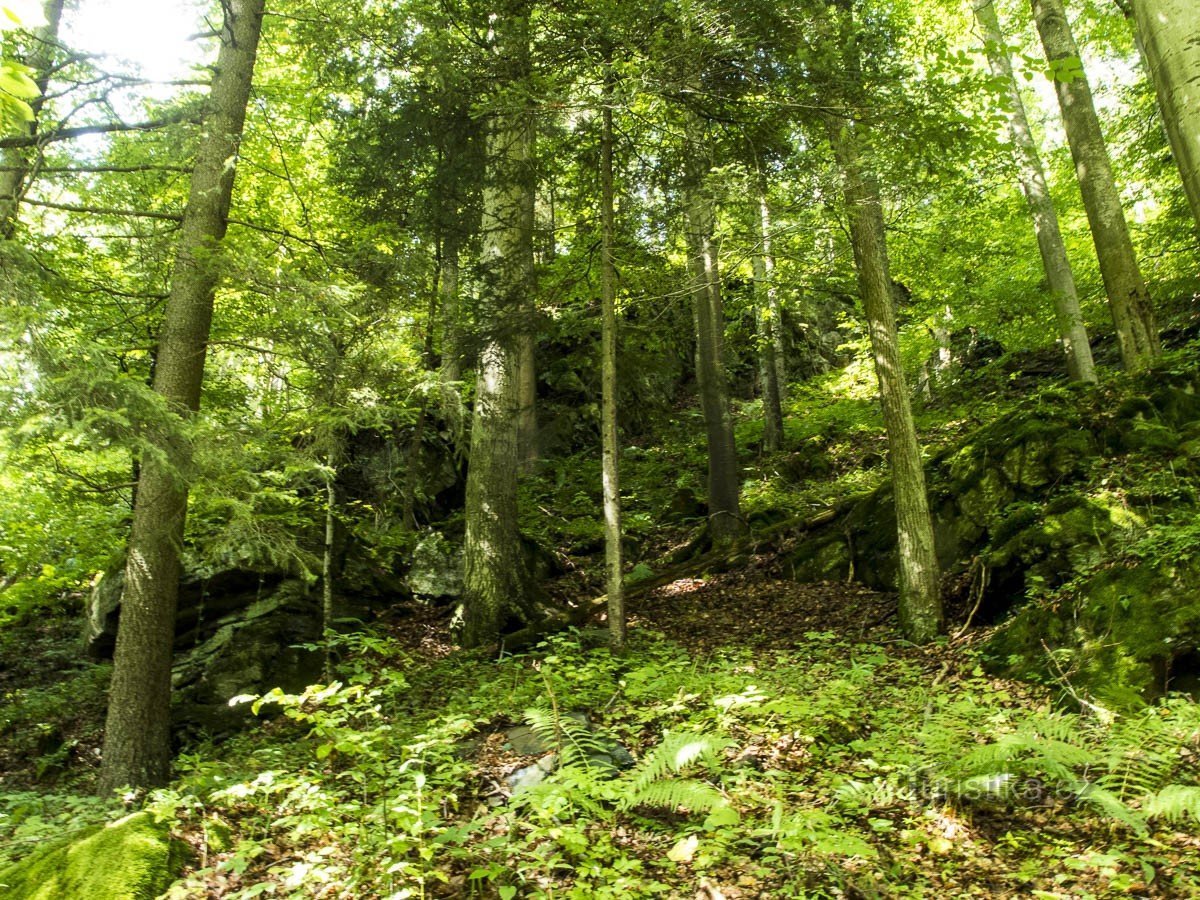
pixel 1072 335
pixel 1128 299
pixel 1170 33
pixel 40 59
pixel 769 313
pixel 495 580
pixel 137 739
pixel 609 435
pixel 724 514
pixel 920 600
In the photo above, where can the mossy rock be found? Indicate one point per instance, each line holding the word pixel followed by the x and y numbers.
pixel 134 858
pixel 1176 405
pixel 826 559
pixel 1147 437
pixel 1116 633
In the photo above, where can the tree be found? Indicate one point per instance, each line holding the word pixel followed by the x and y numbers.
pixel 1169 40
pixel 920 598
pixel 1128 298
pixel 495 583
pixel 769 314
pixel 137 738
pixel 609 435
pixel 1072 334
pixel 724 480
pixel 38 65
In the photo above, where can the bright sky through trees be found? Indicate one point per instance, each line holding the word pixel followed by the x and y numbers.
pixel 153 34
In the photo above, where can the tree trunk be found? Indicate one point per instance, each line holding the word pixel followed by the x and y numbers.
pixel 1171 44
pixel 1072 334
pixel 451 365
pixel 16 171
pixel 495 581
pixel 724 515
pixel 137 739
pixel 920 599
pixel 609 435
pixel 1128 299
pixel 527 391
pixel 328 592
pixel 770 338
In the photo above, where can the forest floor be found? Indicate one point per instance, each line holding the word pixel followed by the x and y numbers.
pixel 837 759
pixel 788 743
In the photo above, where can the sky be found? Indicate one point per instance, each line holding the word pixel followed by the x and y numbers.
pixel 149 33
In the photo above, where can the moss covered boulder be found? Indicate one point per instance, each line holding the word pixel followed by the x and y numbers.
pixel 1121 634
pixel 134 858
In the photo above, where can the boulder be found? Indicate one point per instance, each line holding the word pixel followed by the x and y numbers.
pixel 201 604
pixel 436 569
pixel 134 858
pixel 275 642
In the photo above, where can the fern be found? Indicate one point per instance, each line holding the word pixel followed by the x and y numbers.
pixel 1174 803
pixel 675 753
pixel 676 793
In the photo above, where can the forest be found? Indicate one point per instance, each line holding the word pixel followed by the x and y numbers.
pixel 708 449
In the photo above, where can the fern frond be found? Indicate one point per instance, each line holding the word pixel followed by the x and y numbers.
pixel 676 752
pixel 676 793
pixel 1173 803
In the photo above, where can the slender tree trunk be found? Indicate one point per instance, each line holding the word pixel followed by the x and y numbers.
pixel 1128 299
pixel 451 366
pixel 527 391
pixel 770 338
pixel 328 591
pixel 609 435
pixel 724 513
pixel 495 581
pixel 1072 334
pixel 16 171
pixel 920 599
pixel 1170 39
pixel 137 739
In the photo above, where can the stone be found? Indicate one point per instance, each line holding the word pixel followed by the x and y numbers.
pixel 273 643
pixel 134 858
pixel 436 569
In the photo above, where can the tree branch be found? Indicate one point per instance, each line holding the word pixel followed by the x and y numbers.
pixel 66 134
pixel 104 211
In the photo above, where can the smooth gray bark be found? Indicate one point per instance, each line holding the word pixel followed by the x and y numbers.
pixel 1170 39
pixel 1128 298
pixel 609 434
pixel 1061 281
pixel 137 739
pixel 769 313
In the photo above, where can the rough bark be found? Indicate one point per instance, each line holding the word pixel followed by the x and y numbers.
pixel 1170 39
pixel 1128 299
pixel 609 435
pixel 1073 336
pixel 770 339
pixel 724 514
pixel 495 583
pixel 920 599
pixel 14 175
pixel 137 739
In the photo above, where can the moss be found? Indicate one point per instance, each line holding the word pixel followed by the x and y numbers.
pixel 134 858
pixel 1113 634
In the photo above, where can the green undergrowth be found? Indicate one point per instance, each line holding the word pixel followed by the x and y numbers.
pixel 832 768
